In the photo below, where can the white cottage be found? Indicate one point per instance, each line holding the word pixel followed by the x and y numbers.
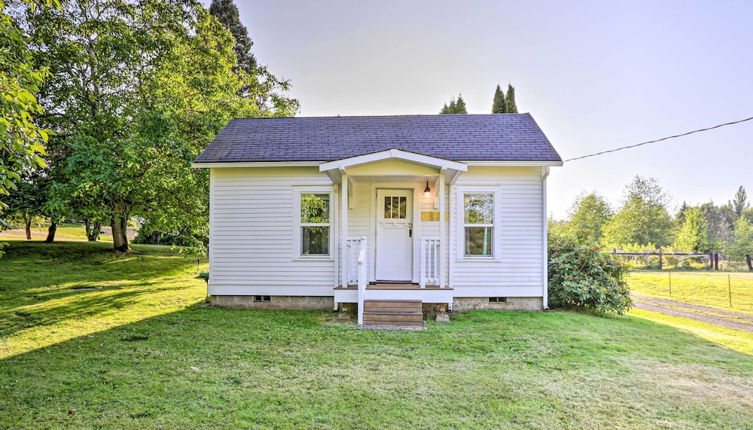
pixel 393 213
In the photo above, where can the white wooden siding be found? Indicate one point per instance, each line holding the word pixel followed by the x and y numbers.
pixel 253 223
pixel 517 268
pixel 251 241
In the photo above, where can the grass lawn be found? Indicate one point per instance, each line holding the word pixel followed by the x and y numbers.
pixel 65 232
pixel 698 288
pixel 143 351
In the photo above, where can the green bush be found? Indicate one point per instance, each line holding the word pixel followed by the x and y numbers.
pixel 582 276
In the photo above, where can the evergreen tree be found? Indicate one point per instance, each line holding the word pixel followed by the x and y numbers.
pixel 455 106
pixel 498 105
pixel 227 13
pixel 259 83
pixel 510 100
pixel 740 202
pixel 460 105
pixel 451 106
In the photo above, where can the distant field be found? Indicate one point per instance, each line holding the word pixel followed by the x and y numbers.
pixel 698 288
pixel 65 232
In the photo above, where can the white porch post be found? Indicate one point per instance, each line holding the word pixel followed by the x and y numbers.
pixel 344 230
pixel 442 226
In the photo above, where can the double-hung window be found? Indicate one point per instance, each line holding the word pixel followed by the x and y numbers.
pixel 478 224
pixel 315 224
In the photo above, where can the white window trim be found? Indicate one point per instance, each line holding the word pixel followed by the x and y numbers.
pixel 460 222
pixel 298 191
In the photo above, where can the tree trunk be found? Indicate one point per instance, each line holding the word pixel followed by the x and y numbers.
pixel 51 232
pixel 96 231
pixel 120 228
pixel 27 226
pixel 750 262
pixel 93 229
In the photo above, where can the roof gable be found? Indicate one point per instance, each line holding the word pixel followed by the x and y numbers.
pixel 494 137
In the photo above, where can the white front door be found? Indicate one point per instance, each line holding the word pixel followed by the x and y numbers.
pixel 394 236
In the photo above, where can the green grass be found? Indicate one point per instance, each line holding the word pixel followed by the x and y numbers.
pixel 144 351
pixel 65 232
pixel 698 288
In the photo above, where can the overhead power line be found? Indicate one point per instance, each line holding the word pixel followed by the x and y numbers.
pixel 659 140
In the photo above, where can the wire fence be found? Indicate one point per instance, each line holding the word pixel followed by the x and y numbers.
pixel 661 260
pixel 715 289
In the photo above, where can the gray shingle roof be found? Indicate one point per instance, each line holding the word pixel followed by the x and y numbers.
pixel 494 137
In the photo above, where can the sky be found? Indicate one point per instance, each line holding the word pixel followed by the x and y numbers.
pixel 595 75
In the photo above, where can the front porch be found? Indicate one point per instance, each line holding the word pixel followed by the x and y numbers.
pixel 392 237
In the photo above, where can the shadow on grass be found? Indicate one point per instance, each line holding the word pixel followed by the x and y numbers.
pixel 204 366
pixel 46 284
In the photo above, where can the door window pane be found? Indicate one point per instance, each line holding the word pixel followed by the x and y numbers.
pixel 395 207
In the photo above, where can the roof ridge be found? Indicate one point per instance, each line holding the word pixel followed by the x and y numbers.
pixel 427 115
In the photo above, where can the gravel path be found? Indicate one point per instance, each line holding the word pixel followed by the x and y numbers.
pixel 674 308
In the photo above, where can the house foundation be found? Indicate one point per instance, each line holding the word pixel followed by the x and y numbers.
pixel 492 303
pixel 290 303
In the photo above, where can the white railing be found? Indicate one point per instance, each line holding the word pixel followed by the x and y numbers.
pixel 354 245
pixel 361 279
pixel 429 261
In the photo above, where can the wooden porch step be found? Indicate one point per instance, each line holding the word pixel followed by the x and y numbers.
pixel 389 317
pixel 393 314
pixel 392 305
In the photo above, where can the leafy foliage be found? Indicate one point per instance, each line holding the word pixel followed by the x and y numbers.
pixel 742 243
pixel 588 216
pixel 138 89
pixel 643 217
pixel 693 234
pixel 21 140
pixel 580 275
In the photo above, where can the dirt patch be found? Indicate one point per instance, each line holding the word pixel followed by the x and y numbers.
pixel 703 314
pixel 134 338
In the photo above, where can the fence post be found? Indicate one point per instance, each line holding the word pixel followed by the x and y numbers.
pixel 716 261
pixel 750 262
pixel 670 282
pixel 729 289
pixel 711 260
pixel 661 264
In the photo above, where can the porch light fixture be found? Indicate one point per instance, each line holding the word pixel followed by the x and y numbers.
pixel 427 190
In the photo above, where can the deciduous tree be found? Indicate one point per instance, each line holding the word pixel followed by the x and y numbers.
pixel 693 235
pixel 138 90
pixel 643 218
pixel 588 216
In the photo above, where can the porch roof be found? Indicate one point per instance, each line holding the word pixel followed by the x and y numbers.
pixel 335 168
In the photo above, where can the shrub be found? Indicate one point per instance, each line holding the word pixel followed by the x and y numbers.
pixel 580 275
